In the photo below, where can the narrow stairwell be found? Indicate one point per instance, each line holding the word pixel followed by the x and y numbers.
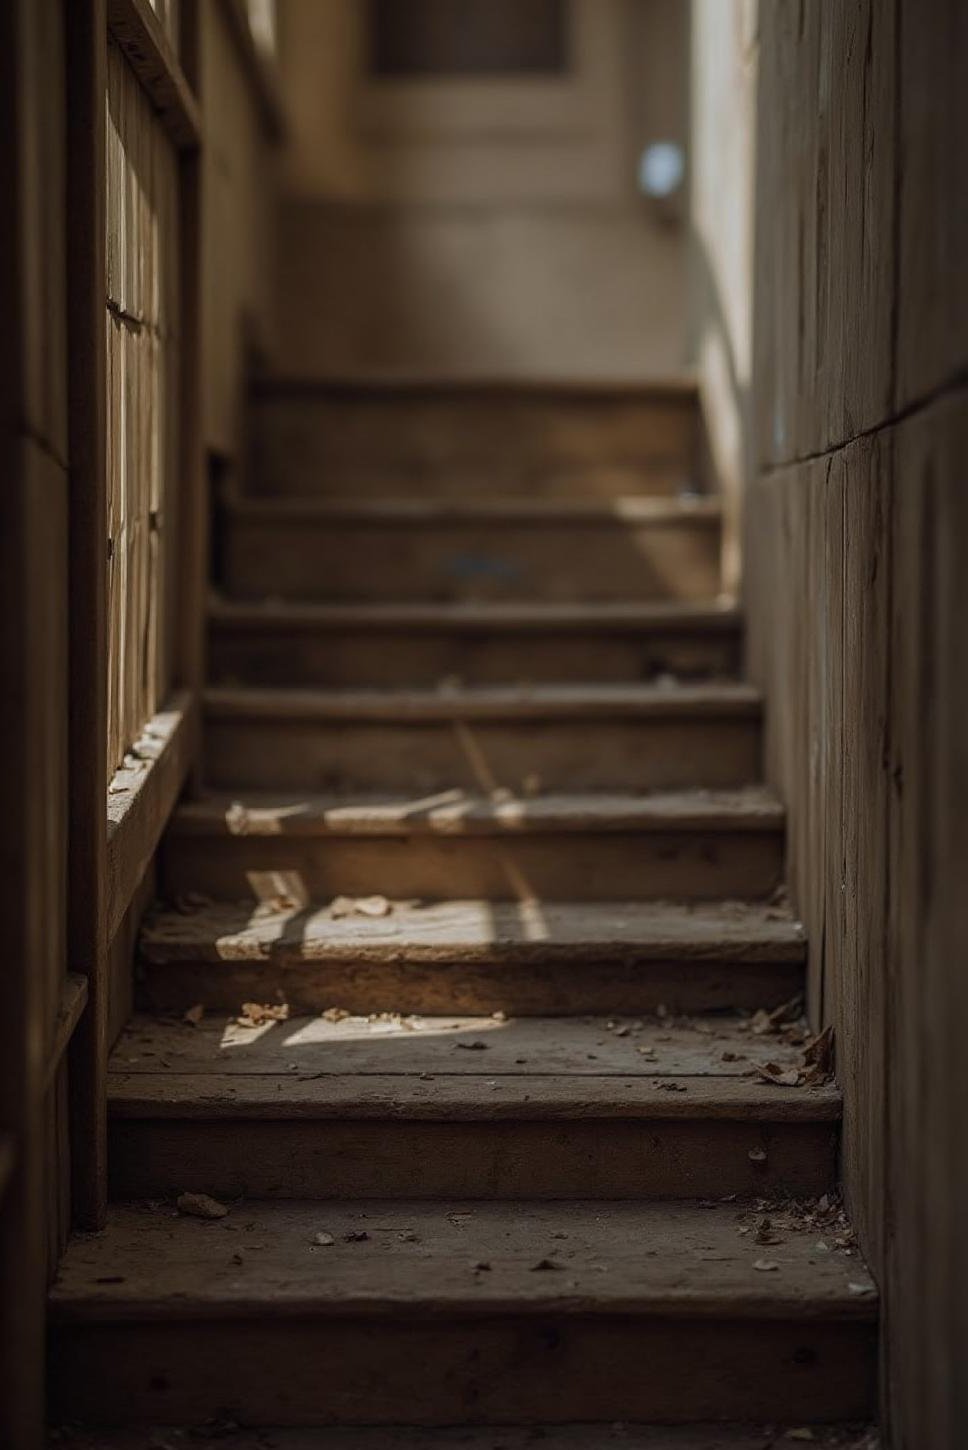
pixel 483 830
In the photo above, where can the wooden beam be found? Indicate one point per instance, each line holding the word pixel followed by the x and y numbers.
pixel 8 1161
pixel 193 498
pixel 141 800
pixel 86 91
pixel 149 51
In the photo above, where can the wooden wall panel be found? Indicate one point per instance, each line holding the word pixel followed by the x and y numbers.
pixel 932 164
pixel 856 545
pixel 142 257
pixel 825 199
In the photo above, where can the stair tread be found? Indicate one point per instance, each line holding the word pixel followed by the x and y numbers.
pixel 522 616
pixel 481 702
pixel 458 1067
pixel 480 508
pixel 452 932
pixel 552 1437
pixel 676 1259
pixel 459 812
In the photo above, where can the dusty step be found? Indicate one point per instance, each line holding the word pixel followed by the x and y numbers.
pixel 691 845
pixel 434 1107
pixel 402 643
pixel 435 438
pixel 165 1317
pixel 528 958
pixel 567 737
pixel 486 548
pixel 621 1436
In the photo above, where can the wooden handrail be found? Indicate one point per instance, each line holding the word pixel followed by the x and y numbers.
pixel 141 800
pixel 149 51
pixel 73 1000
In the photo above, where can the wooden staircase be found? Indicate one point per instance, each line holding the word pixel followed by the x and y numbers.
pixel 483 841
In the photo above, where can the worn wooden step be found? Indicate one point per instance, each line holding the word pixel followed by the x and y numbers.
pixel 454 438
pixel 406 644
pixel 618 1436
pixel 690 845
pixel 487 548
pixel 569 737
pixel 434 1107
pixel 475 956
pixel 648 1312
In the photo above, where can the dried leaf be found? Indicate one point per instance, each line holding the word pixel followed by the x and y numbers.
pixel 359 906
pixel 199 1205
pixel 335 1014
pixel 237 819
pixel 256 1014
pixel 194 1014
pixel 766 1266
pixel 819 1052
pixel 773 1073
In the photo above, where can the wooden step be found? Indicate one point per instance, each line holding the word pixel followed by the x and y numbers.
pixel 618 1436
pixel 405 644
pixel 526 958
pixel 488 548
pixel 567 738
pixel 650 1312
pixel 453 438
pixel 431 1107
pixel 689 845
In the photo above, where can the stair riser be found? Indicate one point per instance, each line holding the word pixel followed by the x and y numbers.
pixel 392 659
pixel 495 1369
pixel 451 446
pixel 601 1158
pixel 534 990
pixel 576 866
pixel 428 756
pixel 304 560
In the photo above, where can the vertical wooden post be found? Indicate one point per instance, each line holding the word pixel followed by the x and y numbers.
pixel 192 569
pixel 86 22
